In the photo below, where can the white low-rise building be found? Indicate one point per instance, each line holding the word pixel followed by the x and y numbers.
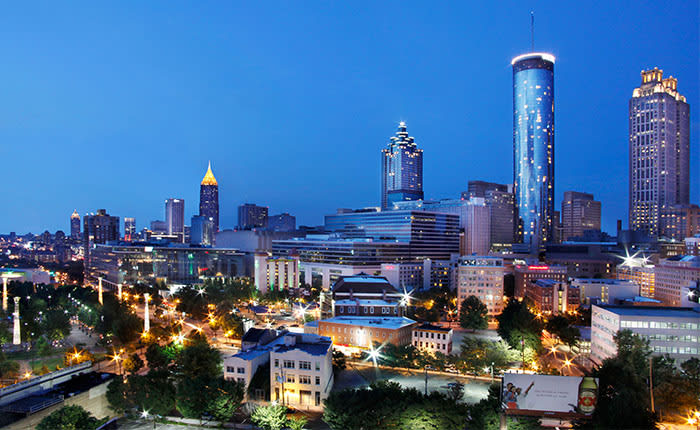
pixel 605 291
pixel 301 371
pixel 672 331
pixel 301 367
pixel 432 338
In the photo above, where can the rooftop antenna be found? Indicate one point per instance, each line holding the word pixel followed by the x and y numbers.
pixel 532 31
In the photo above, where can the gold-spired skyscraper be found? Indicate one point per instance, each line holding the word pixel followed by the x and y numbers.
pixel 659 156
pixel 209 198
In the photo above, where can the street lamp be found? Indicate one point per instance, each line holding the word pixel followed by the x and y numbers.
pixel 694 419
pixel 116 357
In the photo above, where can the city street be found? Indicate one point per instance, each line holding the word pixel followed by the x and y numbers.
pixel 361 376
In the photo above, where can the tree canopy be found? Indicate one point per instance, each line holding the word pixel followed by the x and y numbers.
pixel 473 314
pixel 70 418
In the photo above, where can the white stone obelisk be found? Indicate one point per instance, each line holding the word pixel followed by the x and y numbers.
pixel 119 292
pixel 16 338
pixel 99 290
pixel 146 317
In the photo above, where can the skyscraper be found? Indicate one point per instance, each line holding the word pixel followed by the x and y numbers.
pixel 533 147
pixel 209 198
pixel 402 169
pixel 252 216
pixel 501 203
pixel 282 222
pixel 659 159
pixel 98 228
pixel 579 212
pixel 201 230
pixel 175 216
pixel 75 225
pixel 129 228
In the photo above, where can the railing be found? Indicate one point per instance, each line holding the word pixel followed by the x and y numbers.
pixel 14 388
pixel 34 408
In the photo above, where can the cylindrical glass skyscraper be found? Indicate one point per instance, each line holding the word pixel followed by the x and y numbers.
pixel 533 147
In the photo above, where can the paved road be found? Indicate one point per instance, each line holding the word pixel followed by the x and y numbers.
pixel 360 376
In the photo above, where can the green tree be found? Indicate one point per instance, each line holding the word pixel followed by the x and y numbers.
pixel 623 396
pixel 297 423
pixel 559 325
pixel 153 392
pixel 272 417
pixel 225 398
pixel 433 413
pixel 192 301
pixel 192 401
pixel 339 361
pixel 56 324
pixel 156 357
pixel 691 369
pixel 118 395
pixel 455 392
pixel 519 327
pixel 70 418
pixel 386 405
pixel 198 359
pixel 5 335
pixel 473 314
pixel 133 363
pixel 42 347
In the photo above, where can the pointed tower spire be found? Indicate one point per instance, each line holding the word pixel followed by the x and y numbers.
pixel 209 178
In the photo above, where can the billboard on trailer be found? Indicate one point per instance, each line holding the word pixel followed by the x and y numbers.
pixel 548 394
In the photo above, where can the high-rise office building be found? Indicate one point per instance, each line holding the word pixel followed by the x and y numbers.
pixel 533 146
pixel 252 216
pixel 678 222
pixel 98 228
pixel 479 188
pixel 659 158
pixel 282 222
pixel 202 231
pixel 474 220
pixel 500 200
pixel 579 212
pixel 209 198
pixel 402 169
pixel 158 226
pixel 175 216
pixel 75 225
pixel 129 228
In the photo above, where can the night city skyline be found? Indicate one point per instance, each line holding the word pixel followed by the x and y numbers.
pixel 123 108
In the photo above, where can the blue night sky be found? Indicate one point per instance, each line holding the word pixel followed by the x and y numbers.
pixel 120 106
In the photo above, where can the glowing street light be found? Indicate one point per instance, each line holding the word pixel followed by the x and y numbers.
pixel 406 297
pixel 374 354
pixel 116 357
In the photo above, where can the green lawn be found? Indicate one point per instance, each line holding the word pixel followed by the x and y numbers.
pixel 51 363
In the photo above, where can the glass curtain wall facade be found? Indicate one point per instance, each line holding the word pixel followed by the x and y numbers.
pixel 148 262
pixel 402 169
pixel 533 147
pixel 428 234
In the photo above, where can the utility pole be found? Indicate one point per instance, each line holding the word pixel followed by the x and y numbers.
pixel 651 387
pixel 426 379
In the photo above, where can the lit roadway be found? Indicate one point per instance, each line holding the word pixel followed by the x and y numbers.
pixel 560 357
